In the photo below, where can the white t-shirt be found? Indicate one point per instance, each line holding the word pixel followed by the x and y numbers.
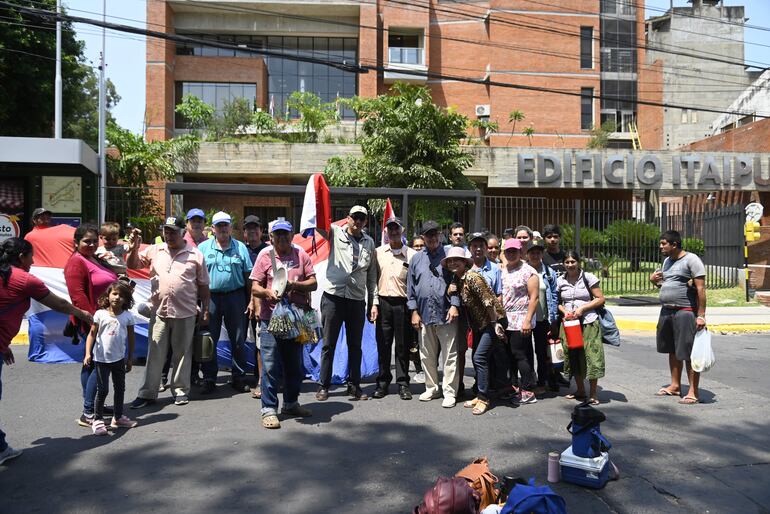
pixel 111 336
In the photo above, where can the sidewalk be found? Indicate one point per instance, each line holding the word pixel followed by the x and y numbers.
pixel 724 319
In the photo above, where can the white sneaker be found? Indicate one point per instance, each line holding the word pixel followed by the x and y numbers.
pixel 419 378
pixel 428 396
pixel 8 454
pixel 448 402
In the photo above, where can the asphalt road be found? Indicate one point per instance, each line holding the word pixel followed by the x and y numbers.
pixel 379 456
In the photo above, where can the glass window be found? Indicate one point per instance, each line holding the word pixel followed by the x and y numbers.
pixel 586 47
pixel 586 108
pixel 683 118
pixel 214 94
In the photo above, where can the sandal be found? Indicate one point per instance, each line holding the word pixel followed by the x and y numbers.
pixel 257 392
pixel 471 403
pixel 593 401
pixel 689 400
pixel 573 396
pixel 480 408
pixel 271 421
pixel 664 391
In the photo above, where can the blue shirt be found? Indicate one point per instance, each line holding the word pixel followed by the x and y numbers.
pixel 228 268
pixel 426 285
pixel 493 275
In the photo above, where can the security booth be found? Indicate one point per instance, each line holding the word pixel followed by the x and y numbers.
pixel 60 175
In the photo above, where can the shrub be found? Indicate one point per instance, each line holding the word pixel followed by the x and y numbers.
pixel 263 122
pixel 694 245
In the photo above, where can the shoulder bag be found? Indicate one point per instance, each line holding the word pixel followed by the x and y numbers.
pixel 610 332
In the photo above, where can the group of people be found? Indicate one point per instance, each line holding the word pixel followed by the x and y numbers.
pixel 503 299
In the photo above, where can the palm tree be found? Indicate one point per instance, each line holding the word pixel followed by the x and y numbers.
pixel 514 116
pixel 529 131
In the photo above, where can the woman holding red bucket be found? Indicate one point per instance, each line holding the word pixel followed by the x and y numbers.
pixel 579 297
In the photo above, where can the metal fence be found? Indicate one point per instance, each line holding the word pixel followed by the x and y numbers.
pixel 618 239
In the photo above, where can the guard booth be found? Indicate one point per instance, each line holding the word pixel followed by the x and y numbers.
pixel 60 175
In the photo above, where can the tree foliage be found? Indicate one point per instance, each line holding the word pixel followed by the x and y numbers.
pixel 27 68
pixel 314 115
pixel 196 112
pixel 600 136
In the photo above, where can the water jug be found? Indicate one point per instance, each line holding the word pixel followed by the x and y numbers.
pixel 587 438
pixel 203 346
pixel 574 333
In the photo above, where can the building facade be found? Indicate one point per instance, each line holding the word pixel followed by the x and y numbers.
pixel 566 65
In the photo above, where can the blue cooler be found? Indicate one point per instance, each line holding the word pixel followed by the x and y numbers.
pixel 588 472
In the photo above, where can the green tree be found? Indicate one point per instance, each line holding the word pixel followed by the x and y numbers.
pixel 315 115
pixel 486 128
pixel 27 68
pixel 407 142
pixel 529 132
pixel 263 122
pixel 514 116
pixel 196 112
pixel 600 136
pixel 232 121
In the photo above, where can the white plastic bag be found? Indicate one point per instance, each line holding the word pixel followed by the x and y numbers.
pixel 702 356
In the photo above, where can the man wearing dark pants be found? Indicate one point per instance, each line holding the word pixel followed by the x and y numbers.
pixel 394 319
pixel 682 283
pixel 351 275
pixel 229 265
pixel 252 237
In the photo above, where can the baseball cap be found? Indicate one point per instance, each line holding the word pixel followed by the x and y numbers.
pixel 477 235
pixel 221 217
pixel 280 224
pixel 173 222
pixel 429 226
pixel 252 220
pixel 536 244
pixel 512 244
pixel 392 220
pixel 358 209
pixel 508 232
pixel 195 212
pixel 40 210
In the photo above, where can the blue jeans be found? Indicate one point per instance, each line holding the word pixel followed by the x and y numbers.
pixel 3 444
pixel 88 383
pixel 230 308
pixel 482 359
pixel 281 360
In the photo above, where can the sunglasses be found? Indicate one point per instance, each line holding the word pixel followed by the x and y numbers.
pixel 358 217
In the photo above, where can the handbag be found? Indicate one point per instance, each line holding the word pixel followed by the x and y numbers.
pixel 609 328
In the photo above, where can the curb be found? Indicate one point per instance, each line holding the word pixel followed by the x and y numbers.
pixel 651 326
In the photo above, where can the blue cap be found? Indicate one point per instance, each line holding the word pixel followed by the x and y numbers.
pixel 280 224
pixel 195 212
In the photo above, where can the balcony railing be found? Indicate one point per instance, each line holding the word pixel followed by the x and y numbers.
pixel 405 55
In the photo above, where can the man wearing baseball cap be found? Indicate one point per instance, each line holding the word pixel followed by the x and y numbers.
pixel 41 218
pixel 393 322
pixel 351 274
pixel 434 315
pixel 229 265
pixel 179 281
pixel 252 236
pixel 196 221
pixel 282 359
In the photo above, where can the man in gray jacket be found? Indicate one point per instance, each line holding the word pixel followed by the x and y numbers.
pixel 351 274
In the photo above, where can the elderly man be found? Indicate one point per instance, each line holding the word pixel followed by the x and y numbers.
pixel 393 322
pixel 252 236
pixel 434 314
pixel 179 281
pixel 229 265
pixel 282 359
pixel 196 222
pixel 351 275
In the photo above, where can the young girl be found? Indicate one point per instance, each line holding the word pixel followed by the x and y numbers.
pixel 113 326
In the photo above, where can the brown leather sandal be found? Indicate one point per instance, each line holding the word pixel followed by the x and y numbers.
pixel 480 407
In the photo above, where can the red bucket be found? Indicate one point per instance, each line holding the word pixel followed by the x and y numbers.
pixel 574 333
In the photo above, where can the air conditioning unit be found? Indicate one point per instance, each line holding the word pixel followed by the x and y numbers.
pixel 483 110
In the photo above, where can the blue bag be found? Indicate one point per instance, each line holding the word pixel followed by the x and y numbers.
pixel 529 498
pixel 610 332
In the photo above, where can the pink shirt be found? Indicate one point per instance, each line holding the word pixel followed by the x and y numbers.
pixel 14 302
pixel 516 295
pixel 192 242
pixel 299 267
pixel 175 277
pixel 101 278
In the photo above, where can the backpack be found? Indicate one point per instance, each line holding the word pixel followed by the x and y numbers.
pixel 479 477
pixel 529 498
pixel 449 496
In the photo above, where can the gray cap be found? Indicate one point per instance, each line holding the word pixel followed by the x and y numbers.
pixel 429 226
pixel 252 220
pixel 40 210
pixel 535 244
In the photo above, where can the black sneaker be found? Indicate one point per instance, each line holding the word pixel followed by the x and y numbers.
pixel 380 392
pixel 355 393
pixel 404 393
pixel 208 387
pixel 138 403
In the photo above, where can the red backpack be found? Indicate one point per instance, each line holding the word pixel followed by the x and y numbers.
pixel 449 496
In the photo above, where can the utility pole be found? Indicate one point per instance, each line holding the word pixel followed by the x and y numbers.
pixel 102 123
pixel 57 80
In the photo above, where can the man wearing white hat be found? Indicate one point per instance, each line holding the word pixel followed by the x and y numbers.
pixel 229 265
pixel 351 275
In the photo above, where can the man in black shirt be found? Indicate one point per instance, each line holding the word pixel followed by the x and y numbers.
pixel 554 255
pixel 252 236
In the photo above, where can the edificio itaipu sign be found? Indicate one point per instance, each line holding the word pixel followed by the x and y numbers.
pixel 613 169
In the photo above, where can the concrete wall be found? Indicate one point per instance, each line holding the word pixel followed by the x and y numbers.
pixel 690 81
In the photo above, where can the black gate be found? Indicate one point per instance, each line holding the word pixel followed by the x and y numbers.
pixel 723 240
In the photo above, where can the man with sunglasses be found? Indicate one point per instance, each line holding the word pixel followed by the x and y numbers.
pixel 351 274
pixel 229 265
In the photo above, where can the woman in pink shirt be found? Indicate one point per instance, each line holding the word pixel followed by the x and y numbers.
pixel 17 287
pixel 87 277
